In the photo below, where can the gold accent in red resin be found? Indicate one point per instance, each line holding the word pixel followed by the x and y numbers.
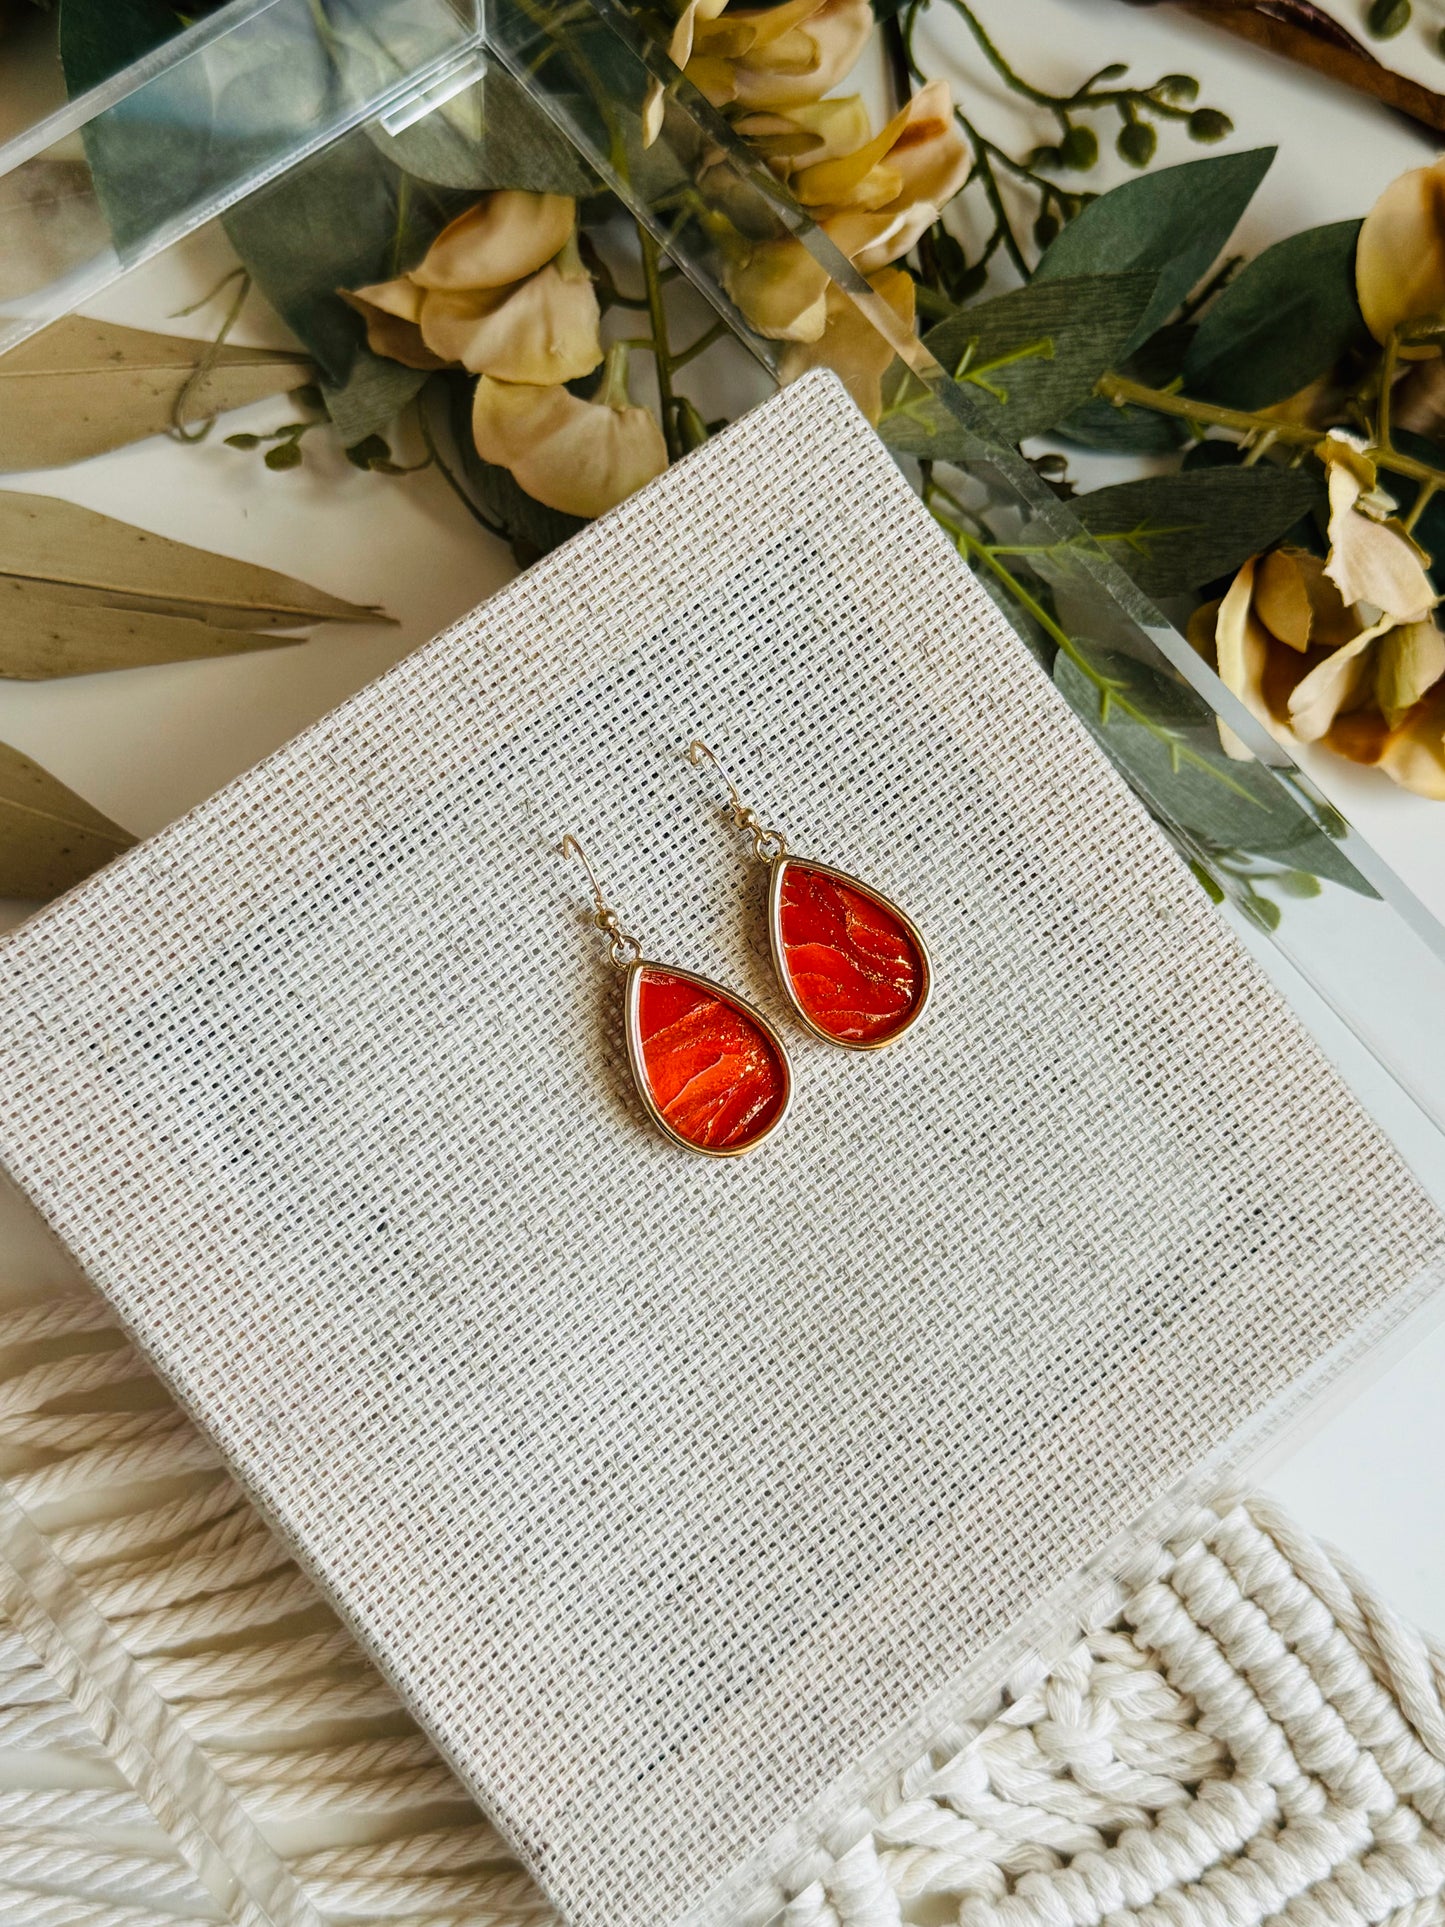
pixel 712 1070
pixel 853 964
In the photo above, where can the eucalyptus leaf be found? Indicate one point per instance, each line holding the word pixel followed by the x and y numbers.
pixel 491 135
pixel 1177 532
pixel 73 550
pixel 342 219
pixel 1174 221
pixel 1026 359
pixel 80 387
pixel 50 838
pixel 1284 319
pixel 371 397
pixel 1212 804
pixel 56 630
pixel 151 154
pixel 1100 424
pixel 99 37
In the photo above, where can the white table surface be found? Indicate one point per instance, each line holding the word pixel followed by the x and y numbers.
pixel 149 743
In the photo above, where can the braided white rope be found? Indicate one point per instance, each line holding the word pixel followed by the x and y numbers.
pixel 1245 1733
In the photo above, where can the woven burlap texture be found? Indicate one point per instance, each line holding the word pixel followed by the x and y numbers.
pixel 674 1496
pixel 1244 1732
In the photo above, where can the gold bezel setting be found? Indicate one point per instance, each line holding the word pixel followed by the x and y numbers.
pixel 775 938
pixel 632 993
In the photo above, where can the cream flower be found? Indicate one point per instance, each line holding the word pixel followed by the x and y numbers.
pixel 778 56
pixel 1372 560
pixel 926 156
pixel 850 344
pixel 1308 666
pixel 873 202
pixel 504 237
pixel 538 324
pixel 1400 258
pixel 819 130
pixel 781 289
pixel 542 330
pixel 582 457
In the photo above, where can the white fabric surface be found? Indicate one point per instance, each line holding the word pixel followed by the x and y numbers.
pixel 681 1499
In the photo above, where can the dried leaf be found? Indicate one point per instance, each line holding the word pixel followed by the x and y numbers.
pixel 80 387
pixel 52 223
pixel 50 838
pixel 49 541
pixel 47 632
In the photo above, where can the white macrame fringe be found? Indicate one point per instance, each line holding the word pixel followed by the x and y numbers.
pixel 1246 1737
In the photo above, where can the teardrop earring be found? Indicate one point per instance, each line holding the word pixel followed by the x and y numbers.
pixel 711 1071
pixel 853 965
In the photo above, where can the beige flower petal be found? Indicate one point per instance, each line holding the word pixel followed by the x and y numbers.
pixel 1408 664
pixel 1297 602
pixel 402 297
pixel 781 290
pixel 390 334
pixel 507 235
pixel 1340 682
pixel 1414 754
pixel 679 51
pixel 1241 644
pixel 813 131
pixel 807 62
pixel 931 152
pixel 582 457
pixel 715 80
pixel 833 182
pixel 1400 259
pixel 1374 562
pixel 873 241
pixel 851 346
pixel 542 330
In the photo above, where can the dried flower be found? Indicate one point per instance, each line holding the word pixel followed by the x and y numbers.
pixel 538 324
pixel 507 235
pixel 1400 258
pixel 1308 665
pixel 927 157
pixel 543 329
pixel 1372 559
pixel 781 289
pixel 873 202
pixel 850 344
pixel 778 56
pixel 582 457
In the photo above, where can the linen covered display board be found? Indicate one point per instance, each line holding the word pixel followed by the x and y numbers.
pixel 684 1499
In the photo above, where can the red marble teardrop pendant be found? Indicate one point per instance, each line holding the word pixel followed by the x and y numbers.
pixel 713 1074
pixel 854 966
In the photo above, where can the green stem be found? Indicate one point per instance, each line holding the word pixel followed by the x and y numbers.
pixel 661 352
pixel 700 346
pixel 1387 383
pixel 181 430
pixel 1120 390
pixel 984 153
pixel 972 546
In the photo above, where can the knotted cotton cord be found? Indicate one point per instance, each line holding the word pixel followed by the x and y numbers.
pixel 1244 1734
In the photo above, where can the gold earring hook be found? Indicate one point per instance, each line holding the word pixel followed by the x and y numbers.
pixel 770 846
pixel 622 948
